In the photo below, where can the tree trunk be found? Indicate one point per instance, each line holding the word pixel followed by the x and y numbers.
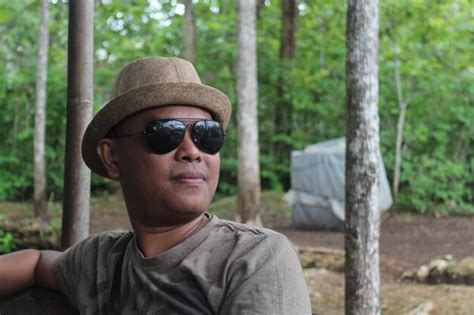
pixel 362 160
pixel 283 112
pixel 189 32
pixel 289 10
pixel 401 122
pixel 248 176
pixel 287 54
pixel 40 198
pixel 79 113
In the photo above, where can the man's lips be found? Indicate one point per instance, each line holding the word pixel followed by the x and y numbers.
pixel 193 177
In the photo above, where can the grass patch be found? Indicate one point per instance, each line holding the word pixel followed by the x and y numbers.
pixel 25 209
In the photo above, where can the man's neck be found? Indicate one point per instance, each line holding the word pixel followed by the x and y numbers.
pixel 154 240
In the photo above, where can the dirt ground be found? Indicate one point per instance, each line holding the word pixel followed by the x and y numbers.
pixel 406 241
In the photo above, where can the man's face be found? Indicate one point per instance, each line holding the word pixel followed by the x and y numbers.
pixel 165 189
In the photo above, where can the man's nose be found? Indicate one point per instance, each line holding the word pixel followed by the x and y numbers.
pixel 187 150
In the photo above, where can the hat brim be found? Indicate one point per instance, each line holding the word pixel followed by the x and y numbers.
pixel 149 96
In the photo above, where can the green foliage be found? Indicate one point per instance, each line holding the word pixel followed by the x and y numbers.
pixel 450 193
pixel 431 42
pixel 7 242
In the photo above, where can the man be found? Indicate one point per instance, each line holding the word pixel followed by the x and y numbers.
pixel 160 136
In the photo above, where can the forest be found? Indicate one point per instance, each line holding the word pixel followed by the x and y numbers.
pixel 425 79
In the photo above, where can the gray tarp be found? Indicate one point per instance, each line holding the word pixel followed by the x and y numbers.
pixel 317 186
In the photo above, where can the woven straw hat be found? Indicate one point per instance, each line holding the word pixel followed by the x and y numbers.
pixel 146 83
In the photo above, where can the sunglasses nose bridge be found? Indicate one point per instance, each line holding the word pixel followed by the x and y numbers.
pixel 188 126
pixel 188 131
pixel 188 148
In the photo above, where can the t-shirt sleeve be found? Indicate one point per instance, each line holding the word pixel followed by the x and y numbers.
pixel 267 279
pixel 85 270
pixel 72 267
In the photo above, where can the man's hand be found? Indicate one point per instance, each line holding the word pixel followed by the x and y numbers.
pixel 27 268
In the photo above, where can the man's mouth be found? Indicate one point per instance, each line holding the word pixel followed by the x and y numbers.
pixel 189 177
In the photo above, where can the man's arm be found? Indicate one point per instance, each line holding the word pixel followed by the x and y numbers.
pixel 27 268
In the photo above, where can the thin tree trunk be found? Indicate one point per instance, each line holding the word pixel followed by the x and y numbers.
pixel 283 111
pixel 189 32
pixel 79 113
pixel 40 198
pixel 362 160
pixel 248 152
pixel 401 122
pixel 15 127
pixel 289 10
pixel 287 54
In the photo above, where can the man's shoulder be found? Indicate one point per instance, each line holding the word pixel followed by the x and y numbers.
pixel 249 236
pixel 233 227
pixel 262 271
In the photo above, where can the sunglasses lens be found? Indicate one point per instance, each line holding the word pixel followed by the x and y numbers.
pixel 163 136
pixel 208 136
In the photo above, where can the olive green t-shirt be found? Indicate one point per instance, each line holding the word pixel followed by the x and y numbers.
pixel 225 268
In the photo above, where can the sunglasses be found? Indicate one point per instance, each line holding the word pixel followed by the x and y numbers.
pixel 164 135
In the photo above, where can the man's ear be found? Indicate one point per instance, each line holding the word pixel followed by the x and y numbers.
pixel 106 149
